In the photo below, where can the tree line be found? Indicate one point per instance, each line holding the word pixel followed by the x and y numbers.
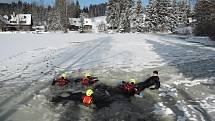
pixel 157 16
pixel 205 16
pixel 161 16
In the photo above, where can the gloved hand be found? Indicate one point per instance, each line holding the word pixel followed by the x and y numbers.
pixel 152 88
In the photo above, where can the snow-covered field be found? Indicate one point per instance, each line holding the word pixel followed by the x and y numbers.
pixel 28 63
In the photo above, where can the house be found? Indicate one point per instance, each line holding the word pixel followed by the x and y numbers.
pixel 20 22
pixel 88 25
pixel 75 23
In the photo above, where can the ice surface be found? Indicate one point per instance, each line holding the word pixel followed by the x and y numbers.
pixel 161 109
pixel 29 61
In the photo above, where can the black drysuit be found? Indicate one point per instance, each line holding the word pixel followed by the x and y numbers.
pixel 153 80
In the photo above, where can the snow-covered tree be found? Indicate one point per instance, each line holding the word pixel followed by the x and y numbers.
pixel 118 14
pixel 112 14
pixel 174 15
pixel 183 13
pixel 125 15
pixel 137 22
pixel 205 15
pixel 82 23
pixel 164 15
pixel 54 21
pixel 152 15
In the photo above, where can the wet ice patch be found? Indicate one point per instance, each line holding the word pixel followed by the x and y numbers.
pixel 167 90
pixel 181 105
pixel 190 83
pixel 209 104
pixel 161 109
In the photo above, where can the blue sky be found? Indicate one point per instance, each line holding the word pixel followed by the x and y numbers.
pixel 82 2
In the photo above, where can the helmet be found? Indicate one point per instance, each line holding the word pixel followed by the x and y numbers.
pixel 64 75
pixel 89 92
pixel 87 75
pixel 132 81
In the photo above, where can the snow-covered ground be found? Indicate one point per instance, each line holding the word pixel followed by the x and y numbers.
pixel 28 63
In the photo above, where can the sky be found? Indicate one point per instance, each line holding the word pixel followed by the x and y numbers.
pixel 82 2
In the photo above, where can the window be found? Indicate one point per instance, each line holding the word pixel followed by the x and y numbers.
pixel 22 22
pixel 12 21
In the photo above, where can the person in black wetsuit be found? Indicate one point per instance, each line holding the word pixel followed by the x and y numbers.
pixel 148 83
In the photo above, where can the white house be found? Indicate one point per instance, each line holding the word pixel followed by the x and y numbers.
pixel 88 24
pixel 20 19
pixel 75 21
pixel 75 24
pixel 19 22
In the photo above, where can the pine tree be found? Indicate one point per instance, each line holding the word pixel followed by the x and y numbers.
pixel 174 15
pixel 112 14
pixel 82 23
pixel 183 13
pixel 152 16
pixel 54 21
pixel 137 22
pixel 118 14
pixel 205 15
pixel 164 13
pixel 125 15
pixel 77 9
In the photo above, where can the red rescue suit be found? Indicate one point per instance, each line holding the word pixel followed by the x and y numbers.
pixel 128 87
pixel 85 81
pixel 87 100
pixel 89 81
pixel 62 82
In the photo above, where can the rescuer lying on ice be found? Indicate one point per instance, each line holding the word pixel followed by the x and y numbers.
pixel 62 81
pixel 148 83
